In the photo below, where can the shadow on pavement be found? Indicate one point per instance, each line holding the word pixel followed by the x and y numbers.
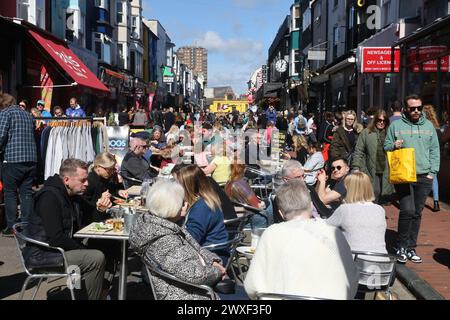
pixel 442 256
pixel 12 284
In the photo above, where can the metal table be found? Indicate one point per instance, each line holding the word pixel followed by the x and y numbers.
pixel 89 232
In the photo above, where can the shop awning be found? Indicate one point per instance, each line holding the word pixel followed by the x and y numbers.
pixel 67 60
pixel 115 74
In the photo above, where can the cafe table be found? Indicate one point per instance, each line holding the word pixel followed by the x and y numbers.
pixel 91 232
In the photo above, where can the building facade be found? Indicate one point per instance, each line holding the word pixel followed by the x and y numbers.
pixel 195 58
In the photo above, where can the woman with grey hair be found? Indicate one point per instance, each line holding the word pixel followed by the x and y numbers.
pixel 158 239
pixel 302 256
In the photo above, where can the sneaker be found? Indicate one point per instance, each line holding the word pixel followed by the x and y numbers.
pixel 412 255
pixel 8 232
pixel 401 255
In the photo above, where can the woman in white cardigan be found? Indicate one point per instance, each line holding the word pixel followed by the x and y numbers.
pixel 302 256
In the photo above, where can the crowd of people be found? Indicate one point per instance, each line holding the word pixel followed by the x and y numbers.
pixel 328 203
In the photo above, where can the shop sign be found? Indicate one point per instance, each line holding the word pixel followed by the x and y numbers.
pixel 379 60
pixel 427 54
pixel 168 76
pixel 118 141
pixel 319 55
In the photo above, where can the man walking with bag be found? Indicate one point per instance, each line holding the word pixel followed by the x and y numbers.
pixel 413 130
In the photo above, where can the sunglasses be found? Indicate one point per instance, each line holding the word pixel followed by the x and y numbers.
pixel 413 109
pixel 338 168
pixel 381 120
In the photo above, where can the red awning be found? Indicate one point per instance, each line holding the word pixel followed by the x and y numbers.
pixel 69 62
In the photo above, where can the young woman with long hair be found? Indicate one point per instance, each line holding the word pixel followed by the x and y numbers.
pixel 430 113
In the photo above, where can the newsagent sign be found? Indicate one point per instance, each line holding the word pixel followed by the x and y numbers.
pixel 379 60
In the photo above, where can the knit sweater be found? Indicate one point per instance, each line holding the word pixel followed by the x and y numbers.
pixel 303 257
pixel 363 225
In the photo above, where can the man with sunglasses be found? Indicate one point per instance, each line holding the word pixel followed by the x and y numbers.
pixel 333 194
pixel 413 131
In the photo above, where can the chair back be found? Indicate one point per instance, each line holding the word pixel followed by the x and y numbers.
pixel 21 241
pixel 279 296
pixel 153 270
pixel 377 270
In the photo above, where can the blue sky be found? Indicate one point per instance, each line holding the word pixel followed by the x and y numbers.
pixel 237 33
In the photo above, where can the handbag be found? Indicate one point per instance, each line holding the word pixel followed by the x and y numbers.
pixel 402 166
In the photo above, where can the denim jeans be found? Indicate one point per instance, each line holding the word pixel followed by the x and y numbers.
pixel 412 201
pixel 18 176
pixel 435 189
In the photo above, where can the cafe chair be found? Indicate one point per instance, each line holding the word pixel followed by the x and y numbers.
pixel 260 181
pixel 376 272
pixel 41 272
pixel 279 296
pixel 153 270
pixel 249 210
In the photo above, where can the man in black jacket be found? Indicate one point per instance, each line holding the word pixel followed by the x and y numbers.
pixel 56 218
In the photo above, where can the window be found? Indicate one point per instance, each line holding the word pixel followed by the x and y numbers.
pixel 335 41
pixel 306 19
pixel 119 12
pixel 40 14
pixel 102 47
pixel 102 4
pixel 121 54
pixel 296 20
pixel 297 61
pixel 23 9
pixel 135 27
pixel 318 12
pixel 133 62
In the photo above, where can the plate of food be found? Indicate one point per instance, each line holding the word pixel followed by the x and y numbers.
pixel 248 252
pixel 102 226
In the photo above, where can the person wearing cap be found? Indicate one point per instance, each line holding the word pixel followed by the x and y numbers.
pixel 41 107
pixel 135 168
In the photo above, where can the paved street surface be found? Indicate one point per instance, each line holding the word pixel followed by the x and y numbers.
pixel 12 278
pixel 433 246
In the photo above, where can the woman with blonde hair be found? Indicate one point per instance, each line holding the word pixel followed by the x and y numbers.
pixel 219 168
pixel 204 219
pixel 300 152
pixel 345 137
pixel 430 113
pixel 362 222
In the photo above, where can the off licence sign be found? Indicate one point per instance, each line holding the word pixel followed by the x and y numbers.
pixel 379 60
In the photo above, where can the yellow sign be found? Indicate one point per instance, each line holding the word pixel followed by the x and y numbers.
pixel 227 106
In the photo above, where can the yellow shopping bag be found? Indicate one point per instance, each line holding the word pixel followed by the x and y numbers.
pixel 402 166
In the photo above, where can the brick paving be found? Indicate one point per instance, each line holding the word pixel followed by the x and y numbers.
pixel 433 246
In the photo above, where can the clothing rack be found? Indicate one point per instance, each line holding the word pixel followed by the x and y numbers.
pixel 91 119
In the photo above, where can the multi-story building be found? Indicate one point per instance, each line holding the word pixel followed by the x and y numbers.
pixel 195 58
pixel 136 43
pixel 164 62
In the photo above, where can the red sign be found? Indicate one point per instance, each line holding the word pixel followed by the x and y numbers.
pixel 69 62
pixel 379 60
pixel 427 54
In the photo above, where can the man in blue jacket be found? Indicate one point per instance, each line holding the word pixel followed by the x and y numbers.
pixel 413 130
pixel 75 110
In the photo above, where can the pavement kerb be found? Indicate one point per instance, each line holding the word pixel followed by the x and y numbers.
pixel 417 286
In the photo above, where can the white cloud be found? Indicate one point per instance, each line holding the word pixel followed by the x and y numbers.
pixel 240 50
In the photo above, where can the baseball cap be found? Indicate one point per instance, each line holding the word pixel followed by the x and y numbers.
pixel 41 102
